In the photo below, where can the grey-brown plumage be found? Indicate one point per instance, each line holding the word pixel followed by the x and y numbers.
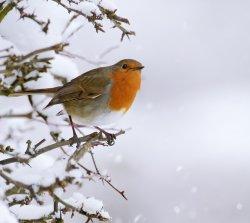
pixel 97 94
pixel 89 85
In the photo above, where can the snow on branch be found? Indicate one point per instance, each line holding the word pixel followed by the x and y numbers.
pixel 27 184
pixel 94 11
pixel 17 70
pixel 37 175
pixel 33 183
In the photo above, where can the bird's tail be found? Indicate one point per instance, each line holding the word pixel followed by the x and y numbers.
pixel 44 91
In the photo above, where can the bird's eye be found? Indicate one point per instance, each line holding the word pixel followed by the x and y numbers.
pixel 124 66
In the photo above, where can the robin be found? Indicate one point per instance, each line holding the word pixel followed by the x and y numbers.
pixel 99 96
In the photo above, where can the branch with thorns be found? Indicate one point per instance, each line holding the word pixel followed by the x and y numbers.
pixel 35 192
pixel 26 68
pixel 19 67
pixel 71 7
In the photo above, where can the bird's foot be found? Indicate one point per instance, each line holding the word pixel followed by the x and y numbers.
pixel 110 137
pixel 76 140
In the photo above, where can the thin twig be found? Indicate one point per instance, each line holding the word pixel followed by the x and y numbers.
pixel 79 210
pixel 56 47
pixel 45 149
pixel 103 178
pixel 23 115
pixel 94 162
pixel 56 145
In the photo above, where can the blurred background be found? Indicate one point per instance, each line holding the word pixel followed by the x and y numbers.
pixel 186 157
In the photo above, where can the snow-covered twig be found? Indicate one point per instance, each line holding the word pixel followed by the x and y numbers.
pixel 80 210
pixel 30 179
pixel 36 190
pixel 94 17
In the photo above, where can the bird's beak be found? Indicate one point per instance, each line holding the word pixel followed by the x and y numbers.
pixel 139 68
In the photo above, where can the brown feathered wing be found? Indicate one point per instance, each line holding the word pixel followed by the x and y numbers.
pixel 87 86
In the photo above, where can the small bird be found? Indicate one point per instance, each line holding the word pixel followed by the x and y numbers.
pixel 98 97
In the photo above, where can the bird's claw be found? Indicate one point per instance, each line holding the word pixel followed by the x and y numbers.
pixel 110 137
pixel 76 140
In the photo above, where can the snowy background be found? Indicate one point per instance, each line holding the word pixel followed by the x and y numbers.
pixel 187 155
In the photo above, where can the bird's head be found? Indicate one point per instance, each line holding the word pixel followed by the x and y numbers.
pixel 128 65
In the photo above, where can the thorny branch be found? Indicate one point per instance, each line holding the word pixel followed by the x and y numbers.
pixel 19 67
pixel 103 178
pixel 23 14
pixel 79 210
pixel 57 48
pixel 35 191
pixel 32 16
pixel 56 145
pixel 18 70
pixel 94 18
pixel 25 68
pixel 71 6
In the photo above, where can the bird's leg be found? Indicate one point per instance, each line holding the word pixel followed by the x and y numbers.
pixel 75 137
pixel 110 136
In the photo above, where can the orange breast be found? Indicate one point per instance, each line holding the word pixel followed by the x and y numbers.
pixel 124 88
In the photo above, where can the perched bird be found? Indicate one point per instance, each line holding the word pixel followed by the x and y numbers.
pixel 99 96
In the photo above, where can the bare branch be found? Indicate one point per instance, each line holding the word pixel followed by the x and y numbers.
pixel 103 178
pixel 56 145
pixel 79 210
pixel 56 48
